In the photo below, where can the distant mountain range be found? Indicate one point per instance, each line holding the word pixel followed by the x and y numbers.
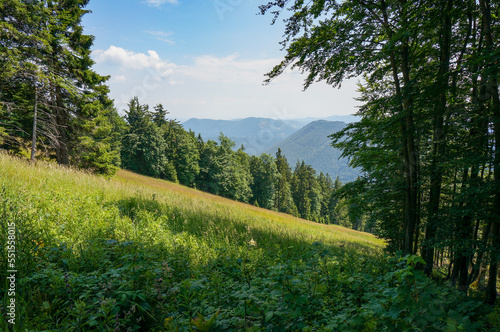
pixel 256 134
pixel 311 144
pixel 298 139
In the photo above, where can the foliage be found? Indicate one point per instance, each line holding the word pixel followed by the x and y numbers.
pixel 264 173
pixel 143 148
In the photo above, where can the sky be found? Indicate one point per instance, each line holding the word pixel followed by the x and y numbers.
pixel 203 59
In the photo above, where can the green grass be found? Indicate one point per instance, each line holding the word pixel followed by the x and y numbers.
pixel 135 253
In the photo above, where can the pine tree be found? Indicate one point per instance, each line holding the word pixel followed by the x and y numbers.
pixel 283 200
pixel 46 77
pixel 143 149
pixel 265 175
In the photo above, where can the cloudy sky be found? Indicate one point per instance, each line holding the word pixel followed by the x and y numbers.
pixel 203 59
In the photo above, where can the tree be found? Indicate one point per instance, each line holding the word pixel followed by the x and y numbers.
pixel 264 173
pixel 181 148
pixel 305 191
pixel 46 77
pixel 143 149
pixel 209 167
pixel 353 38
pixel 283 200
pixel 186 164
pixel 99 146
pixel 224 172
pixel 160 115
pixel 326 184
pixel 233 174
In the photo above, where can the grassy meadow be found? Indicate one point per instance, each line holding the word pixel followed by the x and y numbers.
pixel 132 253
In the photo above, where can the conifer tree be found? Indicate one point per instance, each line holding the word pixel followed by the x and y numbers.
pixel 143 149
pixel 265 174
pixel 283 200
pixel 47 81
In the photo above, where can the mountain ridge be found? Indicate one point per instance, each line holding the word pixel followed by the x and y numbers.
pixel 312 144
pixel 298 139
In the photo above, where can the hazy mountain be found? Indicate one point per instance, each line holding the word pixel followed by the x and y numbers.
pixel 343 118
pixel 256 134
pixel 311 144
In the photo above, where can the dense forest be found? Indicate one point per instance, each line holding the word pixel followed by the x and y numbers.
pixel 426 142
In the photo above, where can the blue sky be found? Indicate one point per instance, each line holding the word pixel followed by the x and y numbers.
pixel 204 59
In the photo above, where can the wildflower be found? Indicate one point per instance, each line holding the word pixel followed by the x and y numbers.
pixel 167 321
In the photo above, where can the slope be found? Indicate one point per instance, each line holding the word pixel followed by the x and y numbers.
pixel 311 144
pixel 140 254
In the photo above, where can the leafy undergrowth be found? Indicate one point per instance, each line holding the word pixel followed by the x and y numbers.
pixel 136 254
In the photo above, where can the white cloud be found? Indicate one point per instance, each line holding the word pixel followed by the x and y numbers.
pixel 127 60
pixel 217 87
pixel 228 69
pixel 119 78
pixel 158 3
pixel 162 36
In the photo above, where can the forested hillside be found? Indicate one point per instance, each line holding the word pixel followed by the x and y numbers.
pixel 313 145
pixel 156 146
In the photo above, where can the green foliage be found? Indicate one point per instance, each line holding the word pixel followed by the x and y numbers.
pixel 143 148
pixel 306 192
pixel 99 146
pixel 225 172
pixel 428 139
pixel 181 149
pixel 283 198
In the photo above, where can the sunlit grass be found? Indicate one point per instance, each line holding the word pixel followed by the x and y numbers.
pixel 262 219
pixel 74 208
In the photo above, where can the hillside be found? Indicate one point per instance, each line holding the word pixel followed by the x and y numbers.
pixel 311 144
pixel 256 134
pixel 140 254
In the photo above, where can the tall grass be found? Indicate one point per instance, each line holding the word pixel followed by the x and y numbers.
pixel 135 253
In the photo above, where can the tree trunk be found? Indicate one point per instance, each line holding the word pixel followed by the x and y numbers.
pixel 62 125
pixel 410 152
pixel 439 140
pixel 491 291
pixel 35 115
pixel 407 128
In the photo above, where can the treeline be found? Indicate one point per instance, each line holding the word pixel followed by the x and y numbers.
pixel 160 147
pixel 428 140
